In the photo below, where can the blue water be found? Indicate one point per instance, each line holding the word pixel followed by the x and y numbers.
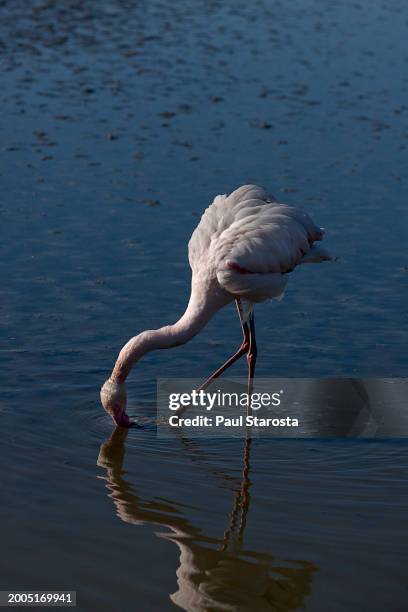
pixel 121 122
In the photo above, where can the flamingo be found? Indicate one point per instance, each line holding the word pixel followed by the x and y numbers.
pixel 243 250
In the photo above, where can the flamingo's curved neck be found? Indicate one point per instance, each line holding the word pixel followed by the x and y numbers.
pixel 205 300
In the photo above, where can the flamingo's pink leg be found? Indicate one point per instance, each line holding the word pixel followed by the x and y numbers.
pixel 241 351
pixel 252 353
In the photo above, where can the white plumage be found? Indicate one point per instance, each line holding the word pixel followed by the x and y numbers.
pixel 249 243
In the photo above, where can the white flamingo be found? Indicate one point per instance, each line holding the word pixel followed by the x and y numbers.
pixel 243 249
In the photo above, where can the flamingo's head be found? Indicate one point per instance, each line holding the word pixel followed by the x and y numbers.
pixel 113 398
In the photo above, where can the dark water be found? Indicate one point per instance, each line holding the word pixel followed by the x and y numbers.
pixel 120 122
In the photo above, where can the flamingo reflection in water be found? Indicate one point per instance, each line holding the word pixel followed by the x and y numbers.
pixel 213 574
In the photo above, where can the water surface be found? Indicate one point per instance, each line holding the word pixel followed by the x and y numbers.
pixel 121 121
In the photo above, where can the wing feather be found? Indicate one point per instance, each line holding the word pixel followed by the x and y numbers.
pixel 250 241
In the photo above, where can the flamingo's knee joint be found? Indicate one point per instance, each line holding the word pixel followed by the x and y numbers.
pixel 244 347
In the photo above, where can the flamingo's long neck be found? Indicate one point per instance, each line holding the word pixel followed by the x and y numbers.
pixel 205 300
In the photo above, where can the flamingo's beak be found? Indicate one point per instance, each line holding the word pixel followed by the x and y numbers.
pixel 120 417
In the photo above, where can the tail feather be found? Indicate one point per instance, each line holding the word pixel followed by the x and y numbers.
pixel 317 254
